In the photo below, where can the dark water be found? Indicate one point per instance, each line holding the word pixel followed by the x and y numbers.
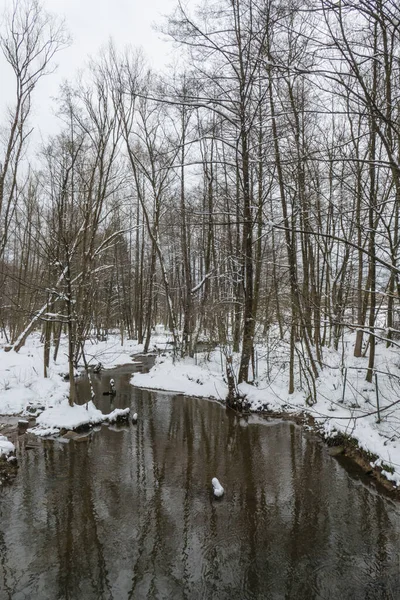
pixel 130 513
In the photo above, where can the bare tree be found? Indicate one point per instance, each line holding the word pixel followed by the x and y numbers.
pixel 29 41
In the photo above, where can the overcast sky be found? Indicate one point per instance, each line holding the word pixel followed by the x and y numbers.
pixel 91 23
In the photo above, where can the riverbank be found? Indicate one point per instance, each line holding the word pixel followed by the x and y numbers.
pixel 345 414
pixel 24 391
pixel 344 448
pixel 8 461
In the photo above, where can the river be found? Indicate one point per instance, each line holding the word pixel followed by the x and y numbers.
pixel 129 513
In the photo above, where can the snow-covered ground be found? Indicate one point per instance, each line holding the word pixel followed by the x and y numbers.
pixel 24 390
pixel 346 403
pixel 22 383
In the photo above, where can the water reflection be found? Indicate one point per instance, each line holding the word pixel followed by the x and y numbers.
pixel 130 513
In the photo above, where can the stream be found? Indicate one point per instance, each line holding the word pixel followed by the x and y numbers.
pixel 129 513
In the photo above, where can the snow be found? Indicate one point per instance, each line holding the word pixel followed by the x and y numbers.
pixel 6 447
pixel 183 377
pixel 64 416
pixel 67 417
pixel 22 384
pixel 117 414
pixel 24 390
pixel 217 487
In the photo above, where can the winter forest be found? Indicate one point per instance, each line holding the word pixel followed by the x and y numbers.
pixel 224 228
pixel 253 188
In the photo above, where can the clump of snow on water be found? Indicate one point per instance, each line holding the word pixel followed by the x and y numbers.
pixel 64 416
pixel 346 402
pixel 6 447
pixel 218 490
pixel 117 414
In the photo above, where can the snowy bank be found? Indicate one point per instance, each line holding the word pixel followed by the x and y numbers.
pixel 346 403
pixel 183 377
pixel 8 461
pixel 6 447
pixel 64 416
pixel 23 386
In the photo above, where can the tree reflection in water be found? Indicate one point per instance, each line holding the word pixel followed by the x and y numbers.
pixel 130 514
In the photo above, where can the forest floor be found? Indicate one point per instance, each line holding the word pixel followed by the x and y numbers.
pixel 345 413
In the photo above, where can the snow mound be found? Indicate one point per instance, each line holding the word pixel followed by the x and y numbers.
pixel 6 447
pixel 119 414
pixel 64 416
pixel 182 377
pixel 217 488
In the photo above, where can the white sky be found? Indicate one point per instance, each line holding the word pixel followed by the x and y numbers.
pixel 90 23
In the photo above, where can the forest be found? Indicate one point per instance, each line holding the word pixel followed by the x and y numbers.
pixel 200 303
pixel 250 191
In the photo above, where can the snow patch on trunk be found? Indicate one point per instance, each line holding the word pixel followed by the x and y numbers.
pixel 6 447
